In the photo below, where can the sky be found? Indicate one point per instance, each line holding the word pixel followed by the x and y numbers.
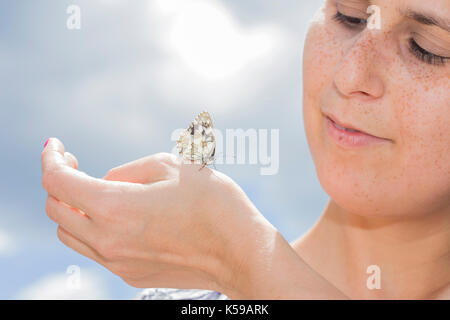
pixel 116 89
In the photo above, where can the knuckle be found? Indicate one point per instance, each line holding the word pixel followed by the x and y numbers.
pixel 166 157
pixel 105 202
pixel 47 177
pixel 133 282
pixel 51 208
pixel 111 173
pixel 119 268
pixel 131 275
pixel 107 249
pixel 61 235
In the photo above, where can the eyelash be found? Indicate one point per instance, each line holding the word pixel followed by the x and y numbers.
pixel 424 55
pixel 419 52
pixel 350 22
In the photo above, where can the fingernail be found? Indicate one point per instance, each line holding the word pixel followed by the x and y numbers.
pixel 46 142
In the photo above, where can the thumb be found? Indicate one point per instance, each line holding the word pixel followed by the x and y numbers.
pixel 143 170
pixel 71 160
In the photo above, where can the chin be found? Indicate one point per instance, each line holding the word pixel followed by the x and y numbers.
pixel 358 182
pixel 357 194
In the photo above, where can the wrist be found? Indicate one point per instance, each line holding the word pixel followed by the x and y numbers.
pixel 272 270
pixel 248 256
pixel 245 234
pixel 266 256
pixel 254 261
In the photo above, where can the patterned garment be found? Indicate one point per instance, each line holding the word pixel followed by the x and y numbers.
pixel 180 294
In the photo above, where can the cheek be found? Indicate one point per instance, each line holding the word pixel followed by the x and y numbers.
pixel 423 154
pixel 320 56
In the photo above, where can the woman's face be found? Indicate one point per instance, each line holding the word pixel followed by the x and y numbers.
pixel 392 82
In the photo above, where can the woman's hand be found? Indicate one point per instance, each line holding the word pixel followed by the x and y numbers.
pixel 156 221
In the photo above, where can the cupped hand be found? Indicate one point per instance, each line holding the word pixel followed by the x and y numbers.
pixel 155 222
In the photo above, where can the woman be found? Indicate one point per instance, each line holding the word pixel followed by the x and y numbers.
pixel 159 223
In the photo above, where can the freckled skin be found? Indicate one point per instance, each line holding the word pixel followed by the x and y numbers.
pixel 370 79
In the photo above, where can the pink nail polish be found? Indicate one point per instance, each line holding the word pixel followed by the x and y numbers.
pixel 46 142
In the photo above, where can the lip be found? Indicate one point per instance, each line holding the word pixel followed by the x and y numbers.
pixel 349 139
pixel 343 124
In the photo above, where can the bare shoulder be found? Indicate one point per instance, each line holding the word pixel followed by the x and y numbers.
pixel 180 294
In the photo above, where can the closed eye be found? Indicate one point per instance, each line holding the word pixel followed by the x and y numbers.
pixel 425 55
pixel 350 22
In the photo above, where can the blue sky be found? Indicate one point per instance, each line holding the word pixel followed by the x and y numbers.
pixel 115 90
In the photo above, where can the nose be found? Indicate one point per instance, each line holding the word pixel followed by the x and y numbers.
pixel 358 73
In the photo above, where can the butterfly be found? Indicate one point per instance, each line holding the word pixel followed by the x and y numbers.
pixel 197 143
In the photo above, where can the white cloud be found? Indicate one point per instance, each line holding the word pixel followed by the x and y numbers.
pixel 210 58
pixel 207 39
pixel 57 287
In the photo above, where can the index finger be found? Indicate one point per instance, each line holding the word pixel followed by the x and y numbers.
pixel 72 186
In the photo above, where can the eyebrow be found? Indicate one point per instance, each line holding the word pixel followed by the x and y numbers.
pixel 428 19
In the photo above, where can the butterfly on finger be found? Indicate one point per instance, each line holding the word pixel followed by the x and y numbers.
pixel 197 143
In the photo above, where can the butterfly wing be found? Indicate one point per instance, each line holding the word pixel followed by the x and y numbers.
pixel 197 143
